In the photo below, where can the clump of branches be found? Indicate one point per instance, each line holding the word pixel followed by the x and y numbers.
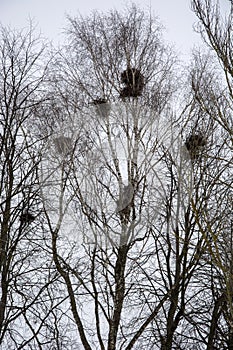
pixel 133 81
pixel 195 145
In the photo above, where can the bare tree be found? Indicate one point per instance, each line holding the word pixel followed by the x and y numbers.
pixel 125 237
pixel 26 267
pixel 116 192
pixel 217 34
pixel 211 81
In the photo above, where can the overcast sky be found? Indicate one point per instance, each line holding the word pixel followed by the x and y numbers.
pixel 50 16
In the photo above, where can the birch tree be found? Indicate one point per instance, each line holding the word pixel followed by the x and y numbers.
pixel 124 236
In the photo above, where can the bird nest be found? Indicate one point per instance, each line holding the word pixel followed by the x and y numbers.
pixel 99 101
pixel 195 145
pixel 63 145
pixel 27 217
pixel 102 107
pixel 133 80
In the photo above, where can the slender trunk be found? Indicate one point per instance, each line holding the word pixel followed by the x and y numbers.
pixel 214 322
pixel 172 321
pixel 119 296
pixel 3 251
pixel 69 287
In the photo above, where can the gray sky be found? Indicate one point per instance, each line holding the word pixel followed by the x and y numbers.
pixel 49 15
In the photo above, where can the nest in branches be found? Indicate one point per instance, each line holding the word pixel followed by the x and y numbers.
pixel 102 107
pixel 99 101
pixel 125 202
pixel 132 76
pixel 133 81
pixel 27 218
pixel 63 145
pixel 195 144
pixel 130 92
pixel 125 199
